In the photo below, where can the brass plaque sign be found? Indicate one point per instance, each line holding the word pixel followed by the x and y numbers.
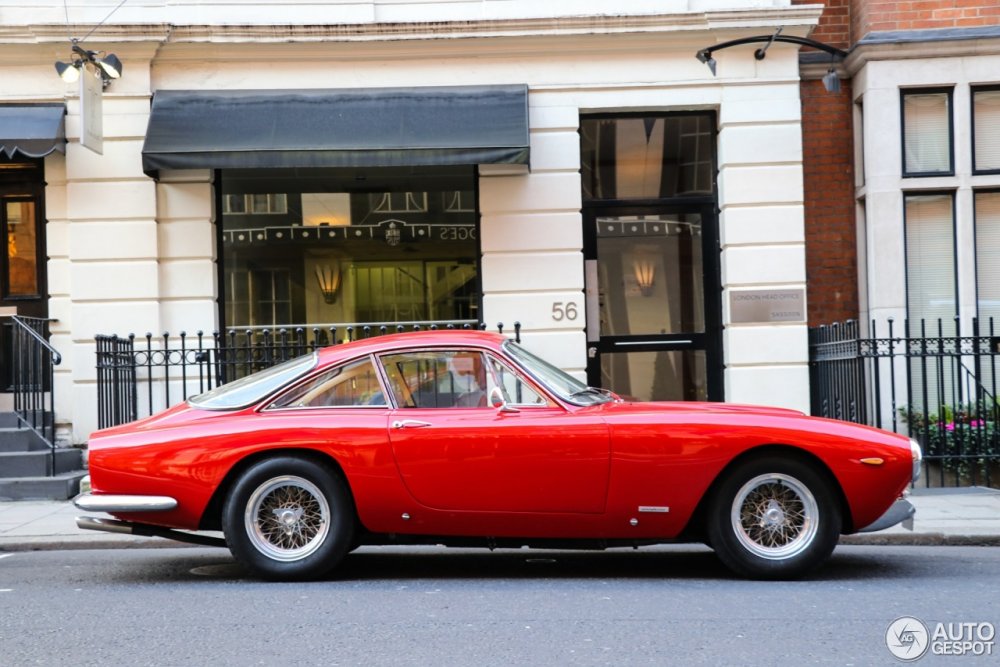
pixel 767 305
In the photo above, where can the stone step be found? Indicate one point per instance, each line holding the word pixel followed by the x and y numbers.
pixel 20 440
pixel 8 420
pixel 60 487
pixel 36 463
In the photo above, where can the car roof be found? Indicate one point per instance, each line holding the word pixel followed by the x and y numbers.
pixel 399 341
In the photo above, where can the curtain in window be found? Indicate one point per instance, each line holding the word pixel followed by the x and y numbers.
pixel 988 258
pixel 986 119
pixel 930 262
pixel 926 135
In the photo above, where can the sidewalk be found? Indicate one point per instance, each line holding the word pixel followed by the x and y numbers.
pixel 963 516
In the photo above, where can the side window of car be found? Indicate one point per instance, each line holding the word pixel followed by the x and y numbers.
pixel 354 384
pixel 516 389
pixel 437 379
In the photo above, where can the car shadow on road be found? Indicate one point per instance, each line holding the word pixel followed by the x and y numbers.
pixel 676 562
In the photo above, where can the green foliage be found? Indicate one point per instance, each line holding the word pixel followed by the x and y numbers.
pixel 964 439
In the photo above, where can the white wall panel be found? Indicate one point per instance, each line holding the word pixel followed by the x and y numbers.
pixel 781 386
pixel 533 272
pixel 531 232
pixel 130 239
pixel 537 311
pixel 760 185
pixel 762 265
pixel 534 192
pixel 114 281
pixel 743 225
pixel 119 200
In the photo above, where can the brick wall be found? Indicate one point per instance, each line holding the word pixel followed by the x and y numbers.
pixel 882 15
pixel 828 170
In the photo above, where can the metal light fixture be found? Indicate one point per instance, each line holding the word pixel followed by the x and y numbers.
pixel 109 66
pixel 830 81
pixel 328 279
pixel 645 271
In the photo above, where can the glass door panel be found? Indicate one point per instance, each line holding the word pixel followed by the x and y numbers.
pixel 650 275
pixel 654 303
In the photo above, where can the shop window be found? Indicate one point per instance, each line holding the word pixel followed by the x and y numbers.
pixel 647 157
pixel 372 247
pixel 22 245
pixel 987 208
pixel 930 262
pixel 986 130
pixel 927 133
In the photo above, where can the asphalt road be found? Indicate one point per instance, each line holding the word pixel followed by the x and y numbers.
pixel 427 606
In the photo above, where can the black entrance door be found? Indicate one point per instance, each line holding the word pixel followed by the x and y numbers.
pixel 653 303
pixel 22 265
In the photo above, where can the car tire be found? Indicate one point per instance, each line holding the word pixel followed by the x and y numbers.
pixel 774 518
pixel 288 518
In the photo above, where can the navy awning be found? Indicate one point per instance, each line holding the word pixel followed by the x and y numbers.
pixel 362 127
pixel 32 130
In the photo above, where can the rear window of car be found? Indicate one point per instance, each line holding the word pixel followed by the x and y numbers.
pixel 252 388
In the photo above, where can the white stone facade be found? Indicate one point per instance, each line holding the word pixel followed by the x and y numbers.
pixel 130 254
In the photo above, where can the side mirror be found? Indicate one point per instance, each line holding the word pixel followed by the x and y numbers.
pixel 498 401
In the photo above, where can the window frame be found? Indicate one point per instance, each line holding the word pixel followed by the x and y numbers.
pixel 950 92
pixel 995 88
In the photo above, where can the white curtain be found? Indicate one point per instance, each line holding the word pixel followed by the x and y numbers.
pixel 926 137
pixel 930 262
pixel 988 258
pixel 986 118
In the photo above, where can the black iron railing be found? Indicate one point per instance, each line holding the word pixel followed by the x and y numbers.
pixel 32 379
pixel 928 380
pixel 136 377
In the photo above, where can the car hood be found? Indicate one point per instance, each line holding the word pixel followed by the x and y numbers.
pixel 680 408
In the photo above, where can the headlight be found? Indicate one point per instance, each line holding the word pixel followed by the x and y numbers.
pixel 918 456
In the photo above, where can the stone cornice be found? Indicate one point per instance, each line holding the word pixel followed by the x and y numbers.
pixel 796 19
pixel 862 53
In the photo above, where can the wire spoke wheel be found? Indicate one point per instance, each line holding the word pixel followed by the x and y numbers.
pixel 287 518
pixel 775 516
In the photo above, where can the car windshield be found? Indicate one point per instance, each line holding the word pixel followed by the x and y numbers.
pixel 559 382
pixel 252 388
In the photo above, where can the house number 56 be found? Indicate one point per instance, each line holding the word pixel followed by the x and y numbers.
pixel 564 311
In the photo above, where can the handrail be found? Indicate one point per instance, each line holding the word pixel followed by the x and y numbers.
pixel 33 379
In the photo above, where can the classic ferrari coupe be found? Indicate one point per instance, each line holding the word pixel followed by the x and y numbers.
pixel 466 438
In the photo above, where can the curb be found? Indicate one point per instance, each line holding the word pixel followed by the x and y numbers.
pixel 857 539
pixel 921 540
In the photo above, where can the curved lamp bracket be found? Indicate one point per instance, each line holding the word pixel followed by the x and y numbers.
pixel 830 81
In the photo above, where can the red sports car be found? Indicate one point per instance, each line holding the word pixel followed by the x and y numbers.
pixel 466 438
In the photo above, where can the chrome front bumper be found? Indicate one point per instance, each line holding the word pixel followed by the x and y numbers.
pixel 901 511
pixel 111 503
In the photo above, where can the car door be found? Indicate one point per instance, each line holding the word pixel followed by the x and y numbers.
pixel 455 452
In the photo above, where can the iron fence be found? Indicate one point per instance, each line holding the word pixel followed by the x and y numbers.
pixel 930 381
pixel 137 377
pixel 33 379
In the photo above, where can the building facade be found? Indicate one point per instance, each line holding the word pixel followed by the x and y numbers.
pixel 295 163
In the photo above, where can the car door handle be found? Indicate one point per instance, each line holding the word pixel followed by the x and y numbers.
pixel 409 423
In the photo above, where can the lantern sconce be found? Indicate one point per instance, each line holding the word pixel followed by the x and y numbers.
pixel 329 282
pixel 645 272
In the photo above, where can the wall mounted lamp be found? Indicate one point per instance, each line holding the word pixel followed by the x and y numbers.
pixel 645 272
pixel 830 80
pixel 109 66
pixel 329 282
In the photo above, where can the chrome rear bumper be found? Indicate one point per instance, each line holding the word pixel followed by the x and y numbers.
pixel 900 511
pixel 111 503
